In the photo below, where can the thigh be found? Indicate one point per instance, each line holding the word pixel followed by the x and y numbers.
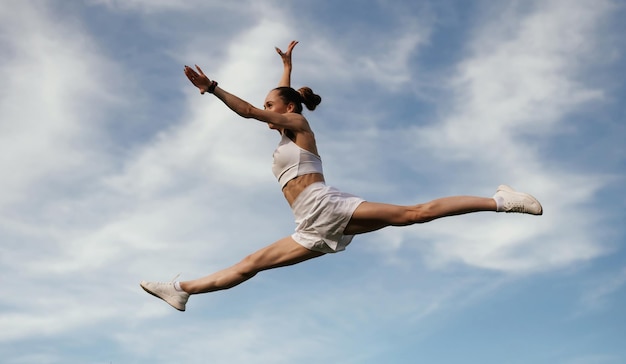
pixel 282 253
pixel 371 216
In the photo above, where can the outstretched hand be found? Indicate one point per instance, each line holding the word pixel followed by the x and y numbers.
pixel 199 79
pixel 286 56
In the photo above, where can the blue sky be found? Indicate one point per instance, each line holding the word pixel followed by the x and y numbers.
pixel 114 170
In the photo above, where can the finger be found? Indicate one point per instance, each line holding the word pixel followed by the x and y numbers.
pixel 278 51
pixel 292 45
pixel 192 78
pixel 200 70
pixel 190 72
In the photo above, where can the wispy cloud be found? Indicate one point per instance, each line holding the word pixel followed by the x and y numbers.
pixel 58 90
pixel 512 92
pixel 88 209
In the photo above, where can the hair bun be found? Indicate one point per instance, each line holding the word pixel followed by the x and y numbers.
pixel 309 98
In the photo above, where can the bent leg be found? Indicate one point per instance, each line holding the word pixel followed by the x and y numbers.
pixel 282 253
pixel 371 216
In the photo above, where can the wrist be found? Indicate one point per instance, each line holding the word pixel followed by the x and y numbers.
pixel 212 87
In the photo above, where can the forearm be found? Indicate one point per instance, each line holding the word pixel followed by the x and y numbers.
pixel 241 107
pixel 285 80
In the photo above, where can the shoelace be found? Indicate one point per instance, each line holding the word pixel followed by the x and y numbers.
pixel 170 282
pixel 515 206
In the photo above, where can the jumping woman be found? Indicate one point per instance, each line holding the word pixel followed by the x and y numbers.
pixel 326 218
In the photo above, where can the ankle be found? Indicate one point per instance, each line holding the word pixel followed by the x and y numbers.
pixel 178 287
pixel 499 203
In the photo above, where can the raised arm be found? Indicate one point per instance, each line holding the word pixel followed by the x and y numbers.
pixel 243 108
pixel 285 80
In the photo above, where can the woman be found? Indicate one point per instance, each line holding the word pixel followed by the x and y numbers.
pixel 326 218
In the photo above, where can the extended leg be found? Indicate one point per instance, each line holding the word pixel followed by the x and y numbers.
pixel 370 216
pixel 282 253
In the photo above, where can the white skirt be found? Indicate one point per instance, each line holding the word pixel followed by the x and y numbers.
pixel 322 214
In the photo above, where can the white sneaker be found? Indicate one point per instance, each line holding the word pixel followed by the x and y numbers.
pixel 513 201
pixel 166 292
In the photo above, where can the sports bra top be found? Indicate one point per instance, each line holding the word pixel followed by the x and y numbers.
pixel 291 161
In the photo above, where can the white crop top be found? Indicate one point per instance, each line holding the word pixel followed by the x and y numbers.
pixel 291 161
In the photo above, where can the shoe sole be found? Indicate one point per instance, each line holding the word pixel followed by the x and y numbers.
pixel 159 297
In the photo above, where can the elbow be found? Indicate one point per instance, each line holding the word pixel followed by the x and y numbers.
pixel 247 111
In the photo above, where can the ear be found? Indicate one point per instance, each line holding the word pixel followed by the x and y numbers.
pixel 291 107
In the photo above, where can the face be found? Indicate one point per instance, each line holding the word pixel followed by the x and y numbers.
pixel 273 102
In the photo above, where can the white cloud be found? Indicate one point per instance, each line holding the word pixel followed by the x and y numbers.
pixel 52 148
pixel 150 6
pixel 512 92
pixel 387 60
pixel 58 87
pixel 173 203
pixel 94 218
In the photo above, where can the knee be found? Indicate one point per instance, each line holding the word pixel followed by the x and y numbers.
pixel 248 267
pixel 421 213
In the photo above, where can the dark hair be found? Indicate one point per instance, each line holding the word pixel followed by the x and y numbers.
pixel 304 95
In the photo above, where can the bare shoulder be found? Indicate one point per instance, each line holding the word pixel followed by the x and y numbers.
pixel 298 123
pixel 304 136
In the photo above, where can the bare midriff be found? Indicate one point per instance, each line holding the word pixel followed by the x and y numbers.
pixel 294 187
